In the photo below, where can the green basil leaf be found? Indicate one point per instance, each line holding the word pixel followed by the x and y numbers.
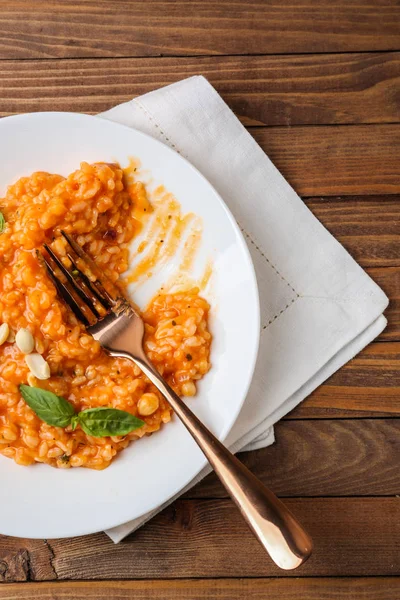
pixel 2 222
pixel 101 422
pixel 52 409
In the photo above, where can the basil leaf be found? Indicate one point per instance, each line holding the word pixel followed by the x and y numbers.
pixel 101 422
pixel 97 422
pixel 2 222
pixel 52 409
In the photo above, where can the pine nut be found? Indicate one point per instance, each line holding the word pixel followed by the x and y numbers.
pixel 148 404
pixel 24 340
pixel 38 366
pixel 4 331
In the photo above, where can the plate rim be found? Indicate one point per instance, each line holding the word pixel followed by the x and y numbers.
pixel 115 522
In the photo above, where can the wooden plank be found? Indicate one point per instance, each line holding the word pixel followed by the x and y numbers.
pixel 264 90
pixel 24 560
pixel 367 226
pixel 157 27
pixel 342 160
pixel 324 458
pixel 322 588
pixel 366 386
pixel 389 280
pixel 208 538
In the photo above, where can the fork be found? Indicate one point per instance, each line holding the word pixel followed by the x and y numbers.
pixel 116 325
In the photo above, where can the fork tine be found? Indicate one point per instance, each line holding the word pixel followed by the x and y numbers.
pixel 105 300
pixel 103 285
pixel 66 294
pixel 74 283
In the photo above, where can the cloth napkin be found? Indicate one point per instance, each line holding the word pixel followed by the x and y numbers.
pixel 318 307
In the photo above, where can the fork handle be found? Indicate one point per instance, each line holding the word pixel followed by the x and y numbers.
pixel 273 524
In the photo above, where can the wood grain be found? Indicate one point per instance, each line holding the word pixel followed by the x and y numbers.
pixel 134 28
pixel 323 588
pixel 264 90
pixel 340 160
pixel 25 560
pixel 352 537
pixel 367 226
pixel 366 386
pixel 324 458
pixel 389 280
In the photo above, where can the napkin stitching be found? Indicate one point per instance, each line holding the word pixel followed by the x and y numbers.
pixel 293 300
pixel 170 143
pixel 280 313
pixel 156 125
pixel 269 262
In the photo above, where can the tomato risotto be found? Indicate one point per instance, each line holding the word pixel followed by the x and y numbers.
pixel 102 212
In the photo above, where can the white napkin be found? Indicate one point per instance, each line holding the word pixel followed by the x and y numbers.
pixel 318 307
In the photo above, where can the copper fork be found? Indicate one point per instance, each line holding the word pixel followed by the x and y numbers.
pixel 113 321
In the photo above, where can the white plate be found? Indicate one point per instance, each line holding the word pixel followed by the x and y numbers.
pixel 42 502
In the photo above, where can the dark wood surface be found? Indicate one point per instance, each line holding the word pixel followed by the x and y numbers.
pixel 316 588
pixel 66 28
pixel 207 538
pixel 318 85
pixel 285 90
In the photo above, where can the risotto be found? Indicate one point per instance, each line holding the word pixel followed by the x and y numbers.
pixel 102 211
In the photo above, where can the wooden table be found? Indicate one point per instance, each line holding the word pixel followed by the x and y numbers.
pixel 317 83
